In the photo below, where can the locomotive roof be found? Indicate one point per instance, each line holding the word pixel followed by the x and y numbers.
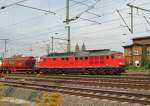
pixel 83 53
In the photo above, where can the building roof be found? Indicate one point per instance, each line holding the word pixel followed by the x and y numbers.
pixel 136 44
pixel 140 38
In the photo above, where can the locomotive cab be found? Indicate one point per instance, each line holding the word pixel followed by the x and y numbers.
pixel 119 60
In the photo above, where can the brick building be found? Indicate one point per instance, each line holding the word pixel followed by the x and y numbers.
pixel 133 52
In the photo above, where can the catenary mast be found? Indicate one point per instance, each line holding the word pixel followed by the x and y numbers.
pixel 68 26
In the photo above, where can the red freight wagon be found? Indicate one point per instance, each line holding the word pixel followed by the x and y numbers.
pixel 18 64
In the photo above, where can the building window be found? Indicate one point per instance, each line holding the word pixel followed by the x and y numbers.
pixel 130 53
pixel 136 52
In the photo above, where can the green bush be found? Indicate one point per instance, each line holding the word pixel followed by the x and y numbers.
pixel 147 65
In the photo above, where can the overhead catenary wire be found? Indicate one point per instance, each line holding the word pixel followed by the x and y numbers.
pixel 110 13
pixel 79 27
pixel 40 35
pixel 147 20
pixel 87 6
pixel 48 11
pixel 9 5
pixel 84 1
pixel 81 13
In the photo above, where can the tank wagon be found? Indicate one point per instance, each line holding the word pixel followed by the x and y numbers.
pixel 17 64
pixel 89 61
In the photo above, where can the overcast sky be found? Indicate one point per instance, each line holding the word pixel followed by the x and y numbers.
pixel 29 30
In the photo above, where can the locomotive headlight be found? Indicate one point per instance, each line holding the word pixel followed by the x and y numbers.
pixel 122 63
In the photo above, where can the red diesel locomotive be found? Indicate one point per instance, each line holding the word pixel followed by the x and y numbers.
pixel 89 61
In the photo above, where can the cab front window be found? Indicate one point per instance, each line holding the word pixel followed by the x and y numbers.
pixel 117 56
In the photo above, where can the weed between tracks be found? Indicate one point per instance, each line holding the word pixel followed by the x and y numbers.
pixel 46 99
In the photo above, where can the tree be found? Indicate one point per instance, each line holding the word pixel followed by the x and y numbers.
pixel 145 62
pixel 144 56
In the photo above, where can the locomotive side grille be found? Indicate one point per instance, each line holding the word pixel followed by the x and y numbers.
pixel 101 59
pixel 91 60
pixel 96 59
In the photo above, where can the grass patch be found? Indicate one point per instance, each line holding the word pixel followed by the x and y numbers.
pixel 136 69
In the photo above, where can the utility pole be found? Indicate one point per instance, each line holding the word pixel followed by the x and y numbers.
pixel 67 26
pixel 5 42
pixel 131 19
pixel 68 20
pixel 132 6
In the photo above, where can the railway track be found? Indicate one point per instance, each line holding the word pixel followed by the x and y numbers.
pixel 126 77
pixel 97 82
pixel 122 96
pixel 84 79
